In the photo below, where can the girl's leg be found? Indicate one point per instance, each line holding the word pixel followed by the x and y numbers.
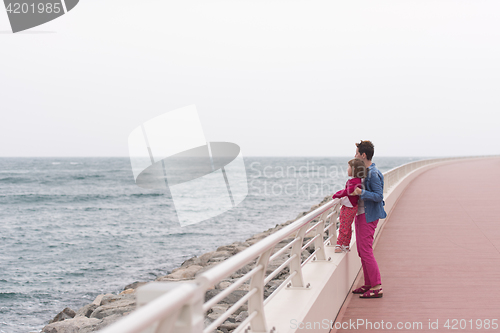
pixel 343 228
pixel 349 215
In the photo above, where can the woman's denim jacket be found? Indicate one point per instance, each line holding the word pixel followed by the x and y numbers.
pixel 373 194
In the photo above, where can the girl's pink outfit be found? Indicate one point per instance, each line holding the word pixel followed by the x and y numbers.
pixel 347 211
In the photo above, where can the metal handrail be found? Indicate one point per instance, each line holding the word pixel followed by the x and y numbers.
pixel 167 307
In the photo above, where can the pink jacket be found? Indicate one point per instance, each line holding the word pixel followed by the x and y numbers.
pixel 350 186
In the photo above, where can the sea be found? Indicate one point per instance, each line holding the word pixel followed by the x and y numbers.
pixel 74 228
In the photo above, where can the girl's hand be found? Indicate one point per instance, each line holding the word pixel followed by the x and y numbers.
pixel 357 191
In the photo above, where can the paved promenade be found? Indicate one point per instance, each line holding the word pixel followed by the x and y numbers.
pixel 438 254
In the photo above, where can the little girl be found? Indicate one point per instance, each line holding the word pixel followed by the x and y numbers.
pixel 357 171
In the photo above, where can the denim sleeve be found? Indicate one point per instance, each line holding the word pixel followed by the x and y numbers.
pixel 377 195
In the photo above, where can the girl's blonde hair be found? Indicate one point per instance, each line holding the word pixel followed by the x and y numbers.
pixel 358 168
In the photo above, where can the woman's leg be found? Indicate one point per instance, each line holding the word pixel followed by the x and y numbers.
pixel 364 242
pixel 357 220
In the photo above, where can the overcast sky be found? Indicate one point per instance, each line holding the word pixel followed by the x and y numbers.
pixel 279 78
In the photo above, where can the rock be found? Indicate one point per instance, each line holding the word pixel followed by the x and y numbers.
pixel 224 284
pixel 253 241
pixel 117 307
pixel 207 321
pixel 127 291
pixel 134 285
pixel 232 249
pixel 277 263
pixel 98 299
pixel 219 309
pixel 86 310
pixel 204 258
pixel 110 298
pixel 182 274
pixel 229 326
pixel 274 284
pixel 243 270
pixel 211 293
pixel 73 325
pixel 300 215
pixel 230 299
pixel 242 316
pixel 285 241
pixel 67 313
pixel 221 254
pixel 244 286
pixel 105 322
pixel 204 269
pixel 216 311
pixel 189 262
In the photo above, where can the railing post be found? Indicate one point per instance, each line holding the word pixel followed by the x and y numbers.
pixel 319 245
pixel 188 319
pixel 332 231
pixel 256 301
pixel 295 263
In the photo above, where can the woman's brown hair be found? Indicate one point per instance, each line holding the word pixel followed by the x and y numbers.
pixel 366 147
pixel 358 168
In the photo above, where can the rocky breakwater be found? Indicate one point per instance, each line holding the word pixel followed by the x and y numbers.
pixel 106 309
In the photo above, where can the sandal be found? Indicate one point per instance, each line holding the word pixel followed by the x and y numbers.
pixel 341 248
pixel 372 293
pixel 361 290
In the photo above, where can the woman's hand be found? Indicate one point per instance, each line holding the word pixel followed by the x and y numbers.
pixel 357 191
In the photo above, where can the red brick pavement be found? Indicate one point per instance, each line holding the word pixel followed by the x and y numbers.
pixel 438 254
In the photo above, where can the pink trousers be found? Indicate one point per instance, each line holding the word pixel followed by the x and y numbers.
pixel 364 242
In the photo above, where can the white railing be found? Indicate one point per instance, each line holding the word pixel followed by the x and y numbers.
pixel 395 175
pixel 319 235
pixel 175 307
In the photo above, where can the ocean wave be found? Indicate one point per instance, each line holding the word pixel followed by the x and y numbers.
pixel 80 177
pixel 14 171
pixel 142 195
pixel 10 295
pixel 57 198
pixel 180 234
pixel 16 180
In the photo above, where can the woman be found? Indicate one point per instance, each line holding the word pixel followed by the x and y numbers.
pixel 370 210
